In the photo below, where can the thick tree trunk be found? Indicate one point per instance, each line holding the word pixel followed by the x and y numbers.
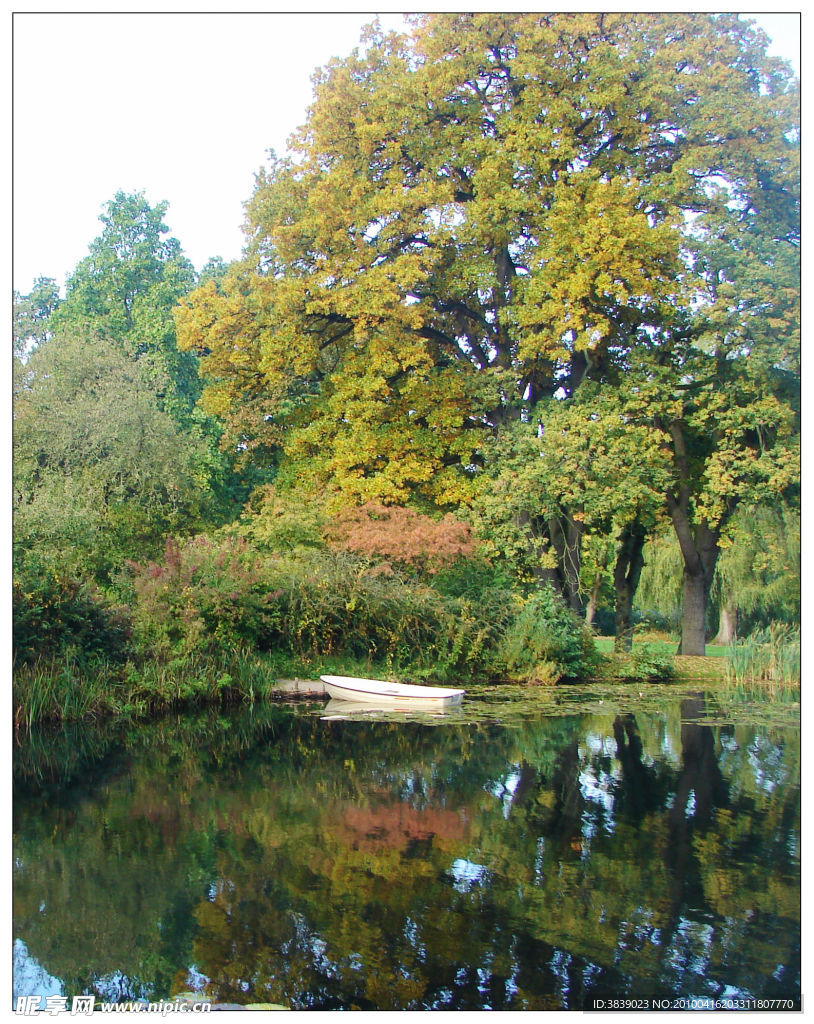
pixel 593 600
pixel 727 622
pixel 693 614
pixel 626 573
pixel 565 533
pixel 699 550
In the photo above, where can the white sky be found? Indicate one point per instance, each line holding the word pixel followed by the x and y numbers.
pixel 181 106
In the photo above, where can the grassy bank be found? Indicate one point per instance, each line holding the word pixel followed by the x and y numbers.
pixel 768 660
pixel 70 687
pixel 67 689
pixel 605 646
pixel 661 653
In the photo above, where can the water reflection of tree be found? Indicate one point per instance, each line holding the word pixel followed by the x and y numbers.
pixel 384 865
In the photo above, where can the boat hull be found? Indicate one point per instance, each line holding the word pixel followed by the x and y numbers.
pixel 382 694
pixel 345 710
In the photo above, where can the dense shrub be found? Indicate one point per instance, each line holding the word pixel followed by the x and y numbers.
pixel 335 602
pixel 204 594
pixel 547 642
pixel 207 594
pixel 474 578
pixel 274 523
pixel 54 610
pixel 646 663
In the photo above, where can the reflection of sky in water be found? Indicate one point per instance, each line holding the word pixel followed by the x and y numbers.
pixel 196 981
pixel 538 860
pixel 764 757
pixel 466 874
pixel 669 754
pixel 560 963
pixel 597 787
pixel 766 761
pixel 504 788
pixel 117 986
pixel 599 745
pixel 29 978
pixel 690 951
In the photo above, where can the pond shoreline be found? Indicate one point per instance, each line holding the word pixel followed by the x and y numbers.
pixel 70 690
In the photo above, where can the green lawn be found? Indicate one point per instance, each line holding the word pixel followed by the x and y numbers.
pixel 604 645
pixel 710 669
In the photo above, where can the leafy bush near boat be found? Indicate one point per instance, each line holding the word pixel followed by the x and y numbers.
pixel 547 642
pixel 206 594
pixel 334 602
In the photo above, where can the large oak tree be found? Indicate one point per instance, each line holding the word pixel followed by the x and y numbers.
pixel 495 208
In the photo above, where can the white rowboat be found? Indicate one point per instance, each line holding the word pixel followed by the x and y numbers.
pixel 390 695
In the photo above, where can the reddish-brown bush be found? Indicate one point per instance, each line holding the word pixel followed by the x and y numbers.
pixel 401 535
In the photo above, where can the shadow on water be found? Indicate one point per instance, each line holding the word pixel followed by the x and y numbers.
pixel 518 854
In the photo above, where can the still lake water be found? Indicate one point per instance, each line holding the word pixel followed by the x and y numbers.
pixel 516 854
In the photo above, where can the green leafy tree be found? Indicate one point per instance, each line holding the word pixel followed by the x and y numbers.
pixel 129 257
pixel 215 269
pixel 730 427
pixel 126 288
pixel 32 315
pixel 597 561
pixel 490 213
pixel 272 522
pixel 659 594
pixel 101 473
pixel 758 573
pixel 584 470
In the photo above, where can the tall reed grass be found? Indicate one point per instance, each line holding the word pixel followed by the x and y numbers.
pixel 57 688
pixel 69 688
pixel 769 657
